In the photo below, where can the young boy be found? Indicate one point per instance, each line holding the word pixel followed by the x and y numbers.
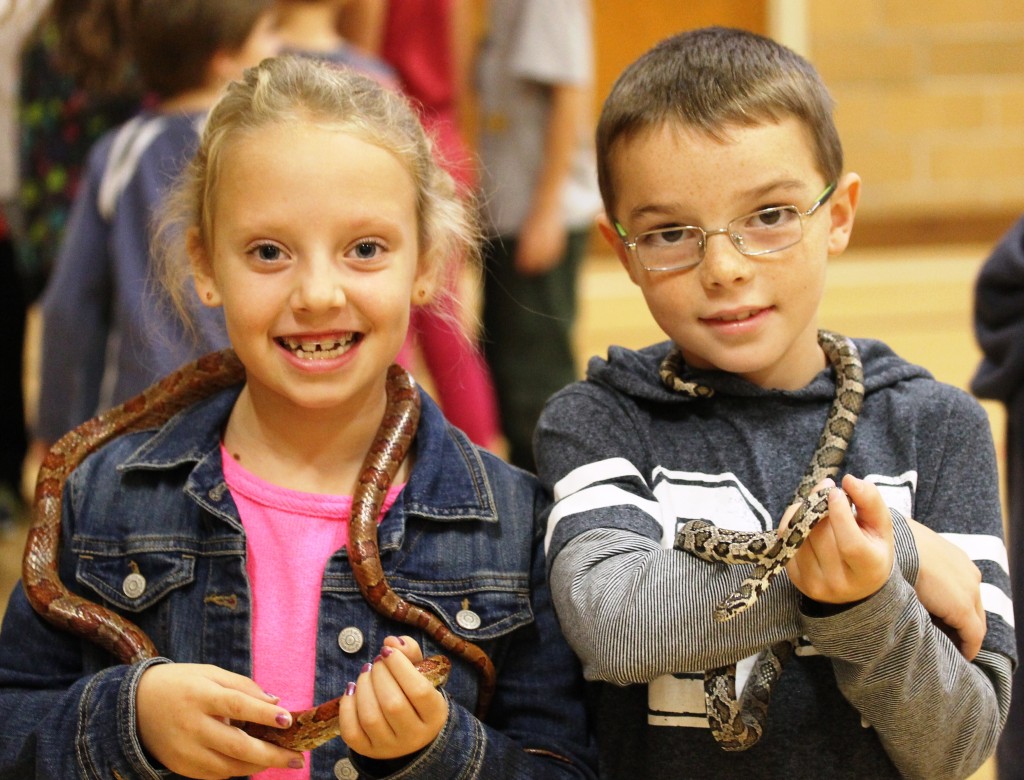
pixel 106 336
pixel 727 130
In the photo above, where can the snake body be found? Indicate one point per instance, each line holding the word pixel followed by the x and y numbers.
pixel 738 724
pixel 152 408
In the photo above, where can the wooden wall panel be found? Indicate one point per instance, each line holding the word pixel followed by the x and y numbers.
pixel 625 29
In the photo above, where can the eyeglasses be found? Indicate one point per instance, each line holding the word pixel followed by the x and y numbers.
pixel 758 233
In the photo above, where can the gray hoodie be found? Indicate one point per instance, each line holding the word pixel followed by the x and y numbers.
pixel 875 690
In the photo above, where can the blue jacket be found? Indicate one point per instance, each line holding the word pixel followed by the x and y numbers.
pixel 155 502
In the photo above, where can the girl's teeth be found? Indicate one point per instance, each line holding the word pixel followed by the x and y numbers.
pixel 317 350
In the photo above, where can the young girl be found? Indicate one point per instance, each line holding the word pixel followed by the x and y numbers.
pixel 315 217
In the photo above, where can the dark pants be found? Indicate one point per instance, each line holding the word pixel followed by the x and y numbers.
pixel 528 323
pixel 1010 753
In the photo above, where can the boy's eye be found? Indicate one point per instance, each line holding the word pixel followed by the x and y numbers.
pixel 776 217
pixel 667 237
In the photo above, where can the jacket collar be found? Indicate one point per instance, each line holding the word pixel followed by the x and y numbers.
pixel 448 483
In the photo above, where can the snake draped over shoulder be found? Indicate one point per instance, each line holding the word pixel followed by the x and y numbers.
pixel 738 724
pixel 152 408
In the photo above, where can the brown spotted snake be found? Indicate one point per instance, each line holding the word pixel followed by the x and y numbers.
pixel 155 406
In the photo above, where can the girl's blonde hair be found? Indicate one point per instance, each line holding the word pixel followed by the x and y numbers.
pixel 291 89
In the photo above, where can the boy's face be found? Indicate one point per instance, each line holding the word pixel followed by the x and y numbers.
pixel 752 316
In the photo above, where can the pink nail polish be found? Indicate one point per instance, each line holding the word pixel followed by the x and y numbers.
pixel 284 719
pixel 350 689
pixel 400 641
pixel 386 651
pixel 366 668
pixel 295 763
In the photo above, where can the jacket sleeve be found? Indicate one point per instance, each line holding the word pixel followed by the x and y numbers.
pixel 632 609
pixel 537 726
pixel 59 719
pixel 999 319
pixel 937 714
pixel 76 315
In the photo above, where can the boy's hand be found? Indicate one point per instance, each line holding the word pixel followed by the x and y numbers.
pixel 392 710
pixel 948 587
pixel 846 558
pixel 184 721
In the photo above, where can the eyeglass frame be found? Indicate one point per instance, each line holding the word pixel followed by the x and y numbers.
pixel 631 245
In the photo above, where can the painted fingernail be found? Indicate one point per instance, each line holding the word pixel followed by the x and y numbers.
pixel 350 689
pixel 378 659
pixel 295 763
pixel 400 641
pixel 284 719
pixel 386 651
pixel 366 668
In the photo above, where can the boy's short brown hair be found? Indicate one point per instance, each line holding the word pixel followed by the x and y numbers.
pixel 710 78
pixel 175 40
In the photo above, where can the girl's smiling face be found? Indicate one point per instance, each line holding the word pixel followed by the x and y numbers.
pixel 313 254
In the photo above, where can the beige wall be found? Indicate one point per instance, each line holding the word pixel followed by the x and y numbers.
pixel 930 108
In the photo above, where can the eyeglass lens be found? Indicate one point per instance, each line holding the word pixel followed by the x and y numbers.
pixel 764 231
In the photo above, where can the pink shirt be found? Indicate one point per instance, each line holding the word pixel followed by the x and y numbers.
pixel 290 535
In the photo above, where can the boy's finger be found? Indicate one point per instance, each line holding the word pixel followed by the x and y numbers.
pixel 872 511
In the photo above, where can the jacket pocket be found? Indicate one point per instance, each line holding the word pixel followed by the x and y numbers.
pixel 478 614
pixel 136 581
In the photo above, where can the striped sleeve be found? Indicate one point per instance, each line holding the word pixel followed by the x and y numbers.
pixel 632 607
pixel 938 714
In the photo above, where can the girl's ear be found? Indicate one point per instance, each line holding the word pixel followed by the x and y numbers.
pixel 424 285
pixel 202 269
pixel 842 208
pixel 611 235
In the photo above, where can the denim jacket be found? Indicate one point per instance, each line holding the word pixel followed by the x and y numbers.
pixel 461 536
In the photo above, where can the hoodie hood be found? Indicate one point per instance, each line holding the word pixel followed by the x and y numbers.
pixel 635 373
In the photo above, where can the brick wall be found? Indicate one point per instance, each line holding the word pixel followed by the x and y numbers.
pixel 931 111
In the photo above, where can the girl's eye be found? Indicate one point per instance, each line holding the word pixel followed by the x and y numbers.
pixel 367 250
pixel 268 253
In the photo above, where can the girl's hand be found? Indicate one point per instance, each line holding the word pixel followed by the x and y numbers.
pixel 184 720
pixel 846 558
pixel 948 585
pixel 392 710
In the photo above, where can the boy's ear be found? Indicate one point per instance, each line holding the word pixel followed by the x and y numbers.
pixel 611 235
pixel 842 208
pixel 202 269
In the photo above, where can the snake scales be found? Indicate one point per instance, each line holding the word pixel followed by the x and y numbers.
pixel 155 406
pixel 739 724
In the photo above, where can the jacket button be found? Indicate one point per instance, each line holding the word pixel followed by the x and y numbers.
pixel 134 585
pixel 351 641
pixel 468 619
pixel 344 770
